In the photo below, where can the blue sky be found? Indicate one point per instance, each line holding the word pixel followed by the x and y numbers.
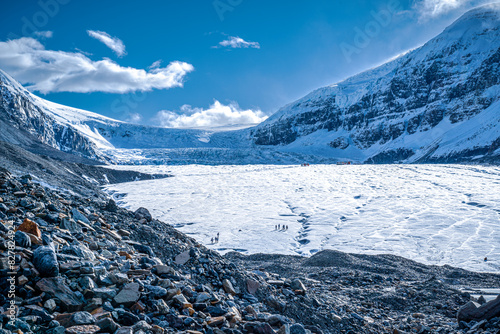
pixel 204 63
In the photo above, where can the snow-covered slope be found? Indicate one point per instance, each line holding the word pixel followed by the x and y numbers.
pixel 89 134
pixel 436 103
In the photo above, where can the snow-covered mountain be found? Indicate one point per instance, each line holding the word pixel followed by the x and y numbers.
pixel 86 133
pixel 437 103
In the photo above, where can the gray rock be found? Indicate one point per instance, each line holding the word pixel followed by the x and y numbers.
pixel 477 312
pixel 107 325
pixel 143 213
pixel 128 295
pixel 82 318
pixel 87 283
pixel 111 206
pixel 157 291
pixel 203 297
pixel 161 306
pixel 104 293
pixel 22 239
pixel 56 287
pixel 124 330
pixel 228 286
pixel 80 251
pixel 297 285
pixel 50 305
pixel 71 225
pixel 182 258
pixel 297 329
pixel 77 215
pixel 45 261
pixel 118 278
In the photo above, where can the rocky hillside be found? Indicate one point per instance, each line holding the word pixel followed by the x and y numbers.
pixel 437 103
pixel 74 264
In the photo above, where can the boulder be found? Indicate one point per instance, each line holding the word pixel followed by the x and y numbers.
pixel 57 288
pixel 252 286
pixel 22 239
pixel 111 206
pixel 77 215
pixel 228 286
pixel 297 285
pixel 128 295
pixel 30 227
pixel 45 261
pixel 475 311
pixel 143 213
pixel 182 258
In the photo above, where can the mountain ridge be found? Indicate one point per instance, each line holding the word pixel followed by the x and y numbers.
pixel 452 77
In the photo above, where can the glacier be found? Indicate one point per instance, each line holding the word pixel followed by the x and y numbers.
pixel 434 214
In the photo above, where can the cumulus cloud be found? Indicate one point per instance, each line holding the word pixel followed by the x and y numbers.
pixel 217 115
pixel 111 42
pixel 44 34
pixel 237 43
pixel 46 71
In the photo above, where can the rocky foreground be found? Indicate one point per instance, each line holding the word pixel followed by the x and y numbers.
pixel 72 264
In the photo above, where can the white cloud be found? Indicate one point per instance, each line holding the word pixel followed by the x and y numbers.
pixel 113 43
pixel 156 64
pixel 46 71
pixel 44 34
pixel 218 115
pixel 133 118
pixel 434 8
pixel 237 43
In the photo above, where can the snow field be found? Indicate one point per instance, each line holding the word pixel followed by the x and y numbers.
pixel 435 214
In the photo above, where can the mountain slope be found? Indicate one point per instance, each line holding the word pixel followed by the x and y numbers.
pixel 435 103
pixel 29 119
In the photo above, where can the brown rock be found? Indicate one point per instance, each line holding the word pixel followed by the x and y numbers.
pixel 139 306
pixel 30 227
pixel 22 280
pixel 216 321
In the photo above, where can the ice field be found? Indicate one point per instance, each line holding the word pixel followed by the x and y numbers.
pixel 434 214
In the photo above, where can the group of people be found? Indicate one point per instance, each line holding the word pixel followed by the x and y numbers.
pixel 216 239
pixel 281 227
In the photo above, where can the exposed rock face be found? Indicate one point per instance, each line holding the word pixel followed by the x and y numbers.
pixel 436 103
pixel 23 112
